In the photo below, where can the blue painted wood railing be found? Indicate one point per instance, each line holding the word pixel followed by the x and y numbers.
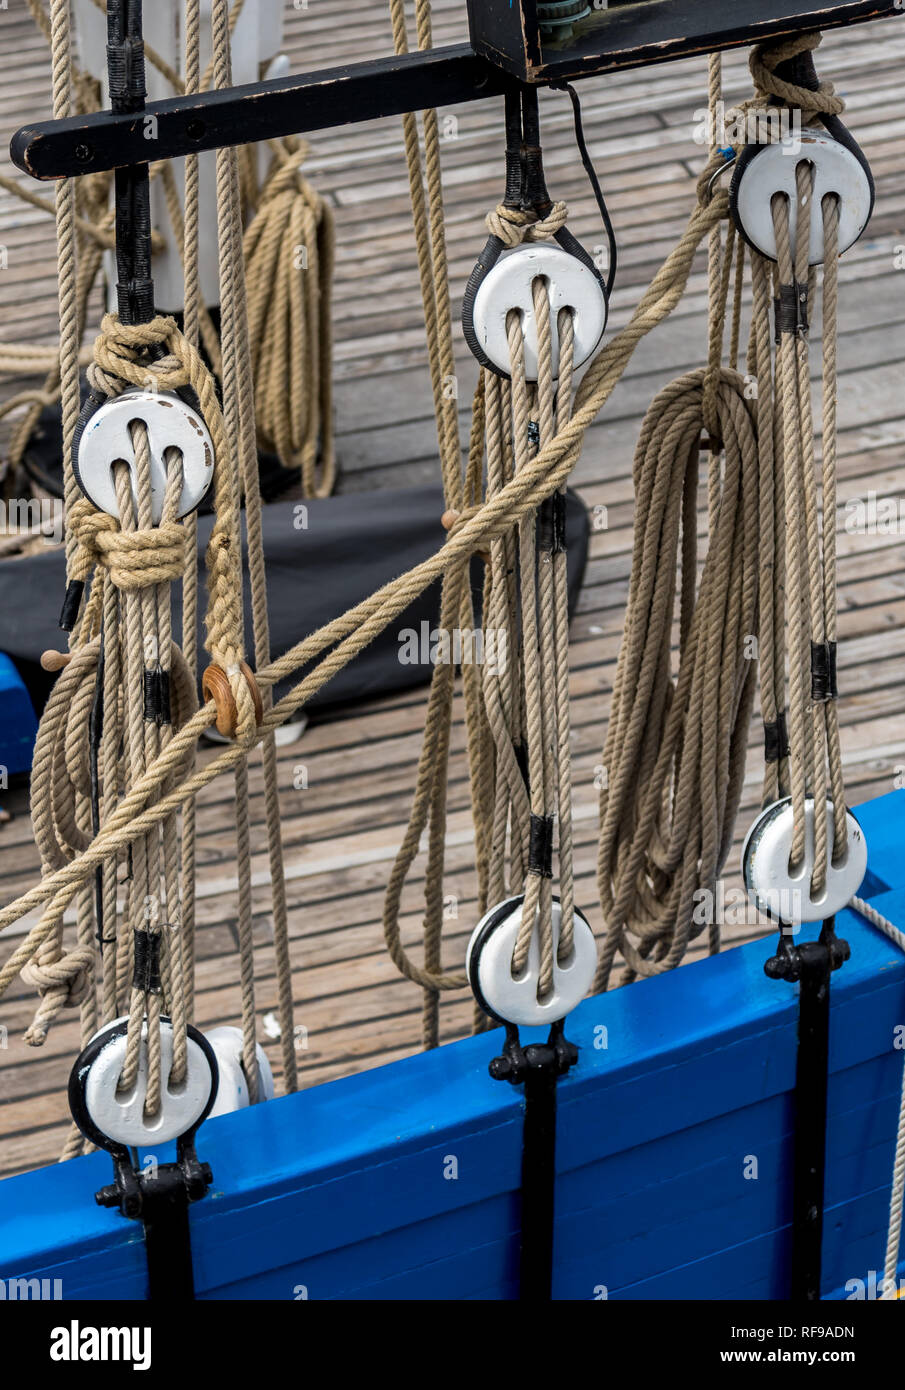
pixel 673 1154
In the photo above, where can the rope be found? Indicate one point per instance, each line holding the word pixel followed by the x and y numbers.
pixel 897 1193
pixel 675 747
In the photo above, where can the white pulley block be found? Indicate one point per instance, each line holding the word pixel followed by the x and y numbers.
pixel 488 963
pixel 508 285
pixel 772 170
pixel 121 1117
pixel 107 439
pixel 785 895
pixel 232 1089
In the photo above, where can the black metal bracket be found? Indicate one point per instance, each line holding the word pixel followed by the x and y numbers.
pixel 538 1066
pixel 160 1200
pixel 810 964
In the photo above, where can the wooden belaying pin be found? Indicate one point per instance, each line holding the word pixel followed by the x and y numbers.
pixel 55 661
pixel 448 521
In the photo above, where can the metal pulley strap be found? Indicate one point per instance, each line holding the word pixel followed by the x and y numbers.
pixel 810 965
pixel 537 1066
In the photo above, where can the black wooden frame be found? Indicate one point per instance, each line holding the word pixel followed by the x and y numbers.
pixel 505 50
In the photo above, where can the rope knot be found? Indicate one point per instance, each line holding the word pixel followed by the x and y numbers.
pixel 61 983
pixel 135 559
pixel 512 226
pixel 123 355
pixel 140 559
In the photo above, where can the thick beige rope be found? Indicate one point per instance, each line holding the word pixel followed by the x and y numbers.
pixel 674 754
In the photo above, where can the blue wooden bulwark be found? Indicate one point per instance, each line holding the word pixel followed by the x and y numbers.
pixel 18 724
pixel 673 1153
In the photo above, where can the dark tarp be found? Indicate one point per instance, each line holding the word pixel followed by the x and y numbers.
pixel 351 546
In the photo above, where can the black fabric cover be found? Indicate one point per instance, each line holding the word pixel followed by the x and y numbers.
pixel 352 545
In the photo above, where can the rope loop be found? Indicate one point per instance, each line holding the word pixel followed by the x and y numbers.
pixel 766 58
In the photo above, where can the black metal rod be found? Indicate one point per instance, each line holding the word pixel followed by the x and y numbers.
pixel 809 1163
pixel 538 1185
pixel 168 1246
pixel 132 194
pixel 810 965
pixel 633 36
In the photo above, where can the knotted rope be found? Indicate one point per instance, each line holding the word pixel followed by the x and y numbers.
pixel 513 226
pixel 770 92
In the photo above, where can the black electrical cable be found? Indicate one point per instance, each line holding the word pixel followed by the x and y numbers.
pixel 594 181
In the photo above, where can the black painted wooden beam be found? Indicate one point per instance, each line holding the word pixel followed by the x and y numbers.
pixel 258 111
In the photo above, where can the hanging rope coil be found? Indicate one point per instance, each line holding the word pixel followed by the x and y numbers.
pixel 289 253
pixel 675 746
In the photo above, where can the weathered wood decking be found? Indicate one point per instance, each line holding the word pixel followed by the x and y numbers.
pixel 341 832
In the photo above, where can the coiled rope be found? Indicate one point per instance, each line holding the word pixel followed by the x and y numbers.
pixel 675 747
